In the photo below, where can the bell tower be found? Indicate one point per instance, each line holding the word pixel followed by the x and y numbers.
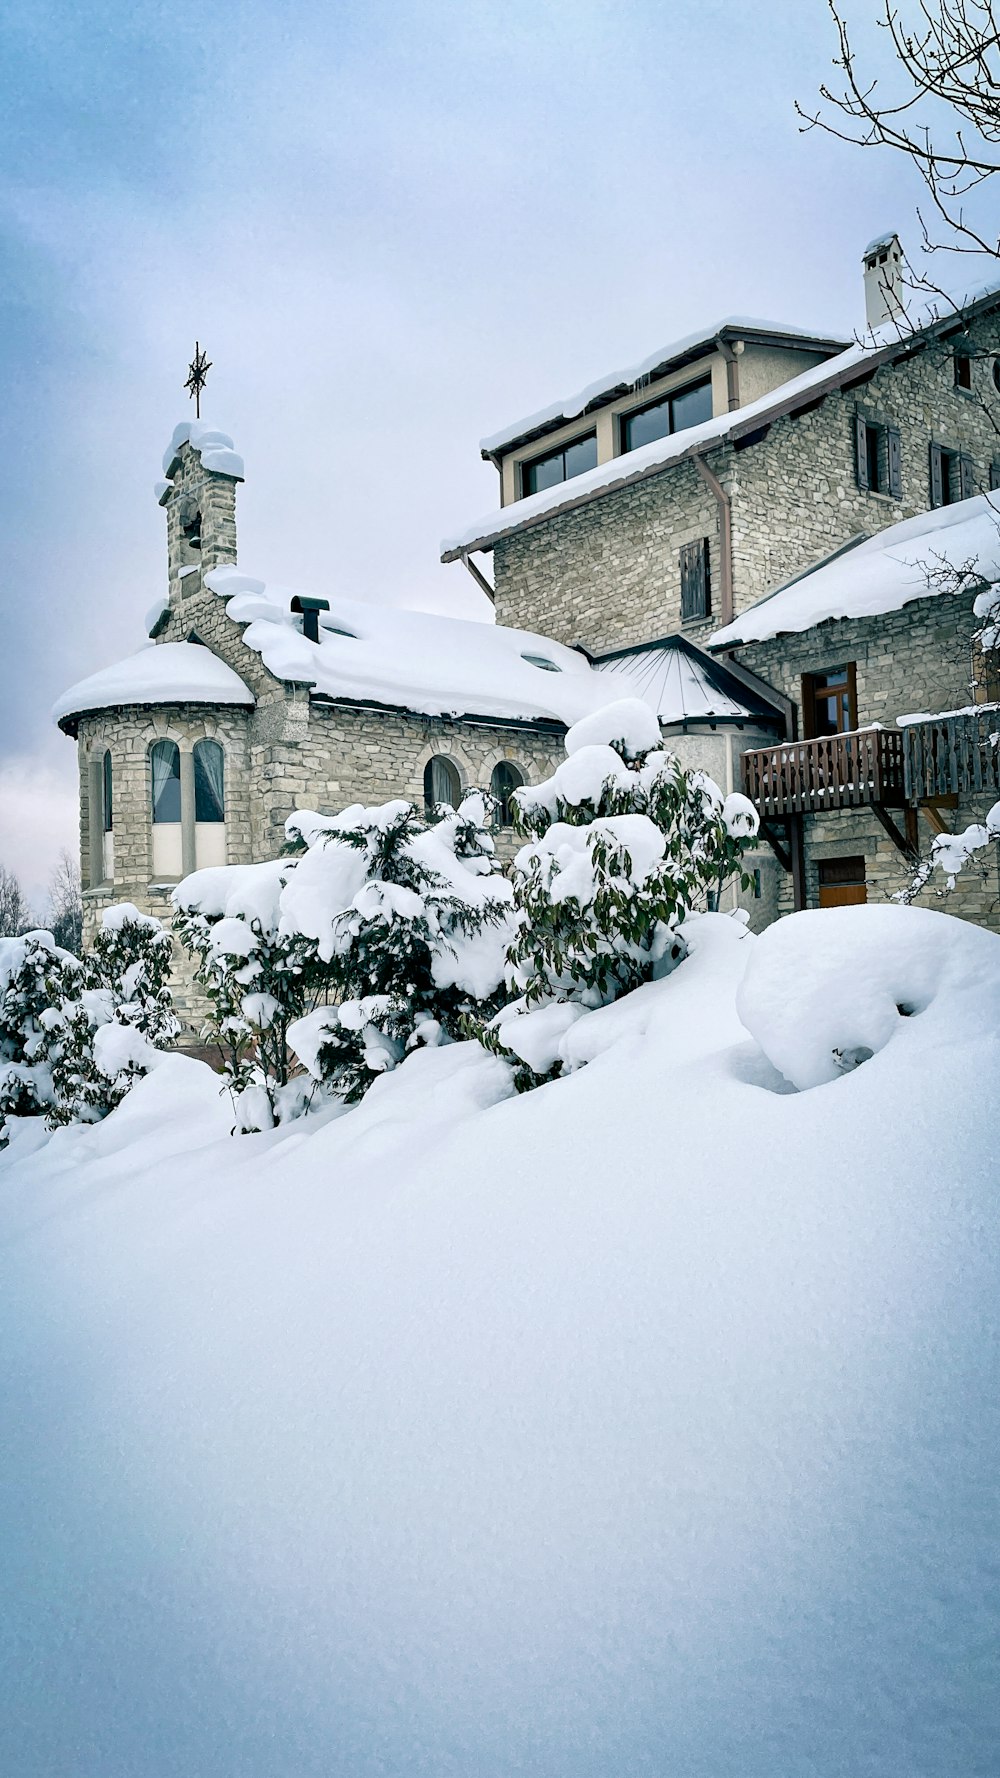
pixel 199 493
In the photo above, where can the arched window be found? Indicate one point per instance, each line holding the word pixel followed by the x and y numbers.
pixel 107 818
pixel 503 783
pixel 165 791
pixel 209 782
pixel 442 783
pixel 209 804
pixel 165 780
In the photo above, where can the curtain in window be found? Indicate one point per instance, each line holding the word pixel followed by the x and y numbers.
pixel 505 780
pixel 209 782
pixel 165 767
pixel 441 782
pixel 106 801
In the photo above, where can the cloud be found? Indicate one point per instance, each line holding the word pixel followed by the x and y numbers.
pixel 38 820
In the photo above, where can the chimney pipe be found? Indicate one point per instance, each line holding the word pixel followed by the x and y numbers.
pixel 309 610
pixel 883 263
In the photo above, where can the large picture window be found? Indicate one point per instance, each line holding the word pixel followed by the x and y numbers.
pixel 559 466
pixel 674 413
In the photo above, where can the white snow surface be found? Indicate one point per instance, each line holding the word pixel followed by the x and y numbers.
pixel 646 1423
pixel 160 673
pixel 882 574
pixel 412 659
pixel 215 449
pixel 633 465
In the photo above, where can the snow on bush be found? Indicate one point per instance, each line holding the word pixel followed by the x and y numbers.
pixel 827 989
pixel 406 927
pixel 624 843
pixel 952 853
pixel 379 933
pixel 76 1033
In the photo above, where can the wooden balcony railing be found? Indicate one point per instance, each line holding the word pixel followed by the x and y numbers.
pixel 835 772
pixel 951 756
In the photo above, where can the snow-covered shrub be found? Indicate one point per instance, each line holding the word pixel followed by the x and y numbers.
pixel 104 1034
pixel 952 853
pixel 405 924
pixel 228 917
pixel 623 843
pixel 36 976
pixel 76 1032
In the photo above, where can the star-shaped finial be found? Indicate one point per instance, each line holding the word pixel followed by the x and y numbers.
pixel 198 370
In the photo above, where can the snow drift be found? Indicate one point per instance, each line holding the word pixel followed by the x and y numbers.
pixel 643 1424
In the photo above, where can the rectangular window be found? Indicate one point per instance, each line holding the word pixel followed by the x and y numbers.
pixel 830 702
pixel 841 882
pixel 696 590
pixel 953 475
pixel 559 466
pixel 878 457
pixel 963 369
pixel 673 413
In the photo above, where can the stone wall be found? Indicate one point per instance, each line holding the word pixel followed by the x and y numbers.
pixel 608 573
pixel 919 658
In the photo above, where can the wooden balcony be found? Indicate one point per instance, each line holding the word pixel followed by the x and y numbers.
pixel 836 772
pixel 951 756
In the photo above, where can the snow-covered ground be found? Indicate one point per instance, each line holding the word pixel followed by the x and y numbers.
pixel 643 1424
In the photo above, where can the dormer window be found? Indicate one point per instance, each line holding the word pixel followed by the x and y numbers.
pixel 691 406
pixel 558 466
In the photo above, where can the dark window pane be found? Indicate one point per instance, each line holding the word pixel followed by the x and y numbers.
pixel 559 466
pixel 692 406
pixel 963 370
pixel 165 767
pixel 581 456
pixel 949 477
pixel 505 780
pixel 839 677
pixel 544 472
pixel 106 797
pixel 874 458
pixel 642 428
pixel 209 782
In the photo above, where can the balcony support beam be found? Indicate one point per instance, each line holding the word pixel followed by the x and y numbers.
pixel 796 844
pixel 905 842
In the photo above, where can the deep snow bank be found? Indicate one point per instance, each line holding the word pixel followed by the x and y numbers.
pixel 644 1424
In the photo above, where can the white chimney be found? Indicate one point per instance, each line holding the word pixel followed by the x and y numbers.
pixel 883 262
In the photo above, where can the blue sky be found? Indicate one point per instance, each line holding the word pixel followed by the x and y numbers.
pixel 394 227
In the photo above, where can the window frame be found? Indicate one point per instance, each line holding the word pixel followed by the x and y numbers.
pixel 625 419
pixel 527 464
pixel 882 441
pixel 962 362
pixel 952 474
pixel 695 564
pixel 107 792
pixel 432 803
pixel 163 741
pixel 810 685
pixel 218 820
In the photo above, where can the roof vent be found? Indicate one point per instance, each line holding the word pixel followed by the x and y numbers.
pixel 539 660
pixel 309 610
pixel 883 263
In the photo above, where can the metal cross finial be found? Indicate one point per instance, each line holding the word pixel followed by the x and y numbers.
pixel 198 370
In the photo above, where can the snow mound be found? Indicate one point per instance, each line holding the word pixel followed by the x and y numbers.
pixel 160 673
pixel 829 988
pixel 630 724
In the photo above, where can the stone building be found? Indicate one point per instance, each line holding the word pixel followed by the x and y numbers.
pixel 675 499
pixel 248 703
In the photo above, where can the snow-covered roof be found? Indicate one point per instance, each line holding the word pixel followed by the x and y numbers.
pixel 878 345
pixel 450 666
pixel 411 660
pixel 683 685
pixel 161 673
pixel 619 382
pixel 215 448
pixel 883 573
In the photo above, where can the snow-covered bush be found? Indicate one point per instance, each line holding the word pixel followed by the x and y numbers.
pixel 75 1033
pixel 375 933
pixel 623 843
pixel 35 977
pixel 405 924
pixel 952 853
pixel 117 1013
pixel 228 917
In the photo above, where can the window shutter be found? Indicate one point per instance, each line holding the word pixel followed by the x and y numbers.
pixel 694 579
pixel 861 452
pixel 937 476
pixel 895 454
pixel 966 476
